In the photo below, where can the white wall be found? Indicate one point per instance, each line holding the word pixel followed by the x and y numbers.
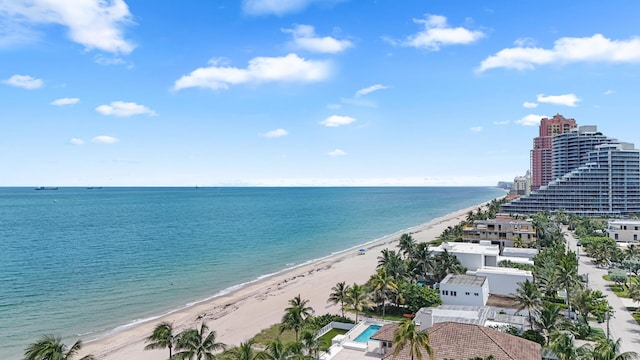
pixel 470 261
pixel 502 283
pixel 461 297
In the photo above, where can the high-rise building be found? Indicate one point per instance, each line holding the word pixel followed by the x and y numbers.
pixel 522 184
pixel 607 183
pixel 571 149
pixel 541 155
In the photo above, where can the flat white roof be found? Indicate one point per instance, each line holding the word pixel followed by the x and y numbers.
pixel 515 250
pixel 624 221
pixel 467 248
pixel 502 270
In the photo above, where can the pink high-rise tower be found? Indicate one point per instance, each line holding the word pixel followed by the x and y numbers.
pixel 541 156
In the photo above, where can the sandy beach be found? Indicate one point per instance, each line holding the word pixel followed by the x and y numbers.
pixel 239 315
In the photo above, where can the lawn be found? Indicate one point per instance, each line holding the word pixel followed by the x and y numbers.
pixel 635 313
pixel 325 340
pixel 620 290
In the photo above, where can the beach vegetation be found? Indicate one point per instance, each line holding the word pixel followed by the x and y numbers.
pixel 244 351
pixel 408 334
pixel 416 297
pixel 162 337
pixel 608 349
pixel 198 344
pixel 296 315
pixel 358 299
pixel 407 245
pixel 339 295
pixel 382 287
pixel 50 347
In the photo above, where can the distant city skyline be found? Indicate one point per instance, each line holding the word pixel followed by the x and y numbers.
pixel 303 92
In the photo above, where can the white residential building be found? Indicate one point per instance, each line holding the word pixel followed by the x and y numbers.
pixel 468 290
pixel 502 280
pixel 624 230
pixel 472 256
pixel 526 253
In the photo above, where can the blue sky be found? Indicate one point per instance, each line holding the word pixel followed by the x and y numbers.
pixel 303 92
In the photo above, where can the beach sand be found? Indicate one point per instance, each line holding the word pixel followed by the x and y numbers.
pixel 241 314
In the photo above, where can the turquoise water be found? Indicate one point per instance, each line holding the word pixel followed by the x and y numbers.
pixel 79 262
pixel 368 333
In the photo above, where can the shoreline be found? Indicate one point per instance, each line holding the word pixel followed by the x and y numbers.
pixel 239 312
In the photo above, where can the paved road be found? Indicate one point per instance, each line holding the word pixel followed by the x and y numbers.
pixel 621 325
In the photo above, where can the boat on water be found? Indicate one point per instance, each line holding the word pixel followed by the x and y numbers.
pixel 47 188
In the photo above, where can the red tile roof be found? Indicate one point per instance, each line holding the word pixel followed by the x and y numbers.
pixel 458 341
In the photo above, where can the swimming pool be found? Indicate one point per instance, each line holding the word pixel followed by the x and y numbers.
pixel 367 333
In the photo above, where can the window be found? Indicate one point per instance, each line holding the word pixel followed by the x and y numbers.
pixel 467 293
pixel 616 236
pixel 635 237
pixel 445 292
pixel 476 294
pixel 453 293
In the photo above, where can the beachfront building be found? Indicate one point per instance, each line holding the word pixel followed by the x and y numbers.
pixel 464 290
pixel 541 154
pixel 624 230
pixel 454 340
pixel 502 280
pixel 471 256
pixel 514 253
pixel 522 184
pixel 502 231
pixel 606 184
pixel 571 149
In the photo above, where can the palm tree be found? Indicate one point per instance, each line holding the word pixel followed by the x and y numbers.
pixel 423 261
pixel 568 274
pixel 549 319
pixel 407 332
pixel 634 289
pixel 589 301
pixel 162 337
pixel 528 297
pixel 276 350
pixel 382 284
pixel 357 299
pixel 296 315
pixel 199 343
pixel 407 245
pixel 244 351
pixel 339 295
pixel 447 263
pixel 50 347
pixel 563 346
pixel 310 343
pixel 610 350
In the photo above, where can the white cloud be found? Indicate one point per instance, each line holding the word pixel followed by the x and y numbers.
pixel 525 42
pixel 530 120
pixel 370 89
pixel 260 69
pixel 65 101
pixel 476 128
pixel 530 105
pixel 107 60
pixel 566 100
pixel 104 139
pixel 304 38
pixel 96 24
pixel 276 133
pixel 566 50
pixel 121 108
pixel 437 33
pixel 337 152
pixel 608 92
pixel 500 123
pixel 24 81
pixel 334 106
pixel 275 7
pixel 337 120
pixel 76 141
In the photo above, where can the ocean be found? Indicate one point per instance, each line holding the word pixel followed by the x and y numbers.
pixel 83 263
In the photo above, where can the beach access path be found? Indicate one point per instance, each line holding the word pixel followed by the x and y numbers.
pixel 238 316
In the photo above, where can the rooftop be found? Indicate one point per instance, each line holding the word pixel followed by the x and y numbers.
pixel 468 248
pixel 503 270
pixel 472 280
pixel 446 340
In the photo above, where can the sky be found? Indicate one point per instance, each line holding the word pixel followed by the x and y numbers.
pixel 303 92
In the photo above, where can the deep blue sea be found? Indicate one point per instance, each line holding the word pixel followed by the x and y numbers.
pixel 85 262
